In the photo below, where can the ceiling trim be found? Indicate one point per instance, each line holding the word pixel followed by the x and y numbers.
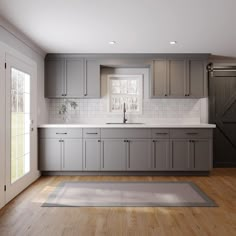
pixel 20 36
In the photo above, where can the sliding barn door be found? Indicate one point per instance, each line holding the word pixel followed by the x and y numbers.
pixel 223 114
pixel 20 129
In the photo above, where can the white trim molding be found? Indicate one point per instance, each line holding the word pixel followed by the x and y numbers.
pixel 6 25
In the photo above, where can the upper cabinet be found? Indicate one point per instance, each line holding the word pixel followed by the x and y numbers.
pixel 178 78
pixel 197 78
pixel 72 77
pixel 55 78
pixel 171 76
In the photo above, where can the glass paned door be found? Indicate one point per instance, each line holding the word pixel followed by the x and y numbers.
pixel 20 124
pixel 21 140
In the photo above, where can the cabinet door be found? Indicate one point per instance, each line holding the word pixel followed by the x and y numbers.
pixel 180 155
pixel 114 155
pixel 177 78
pixel 54 78
pixel 74 77
pixel 72 154
pixel 92 79
pixel 202 155
pixel 50 154
pixel 159 78
pixel 161 155
pixel 139 155
pixel 196 80
pixel 91 154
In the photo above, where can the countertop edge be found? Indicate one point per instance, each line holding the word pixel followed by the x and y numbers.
pixel 128 126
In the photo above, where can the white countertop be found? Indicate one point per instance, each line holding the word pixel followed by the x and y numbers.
pixel 170 125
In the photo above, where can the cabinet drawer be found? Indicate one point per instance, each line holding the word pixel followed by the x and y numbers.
pixel 126 133
pixel 160 133
pixel 191 133
pixel 60 133
pixel 91 133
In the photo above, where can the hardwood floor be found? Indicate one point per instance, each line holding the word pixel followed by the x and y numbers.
pixel 25 216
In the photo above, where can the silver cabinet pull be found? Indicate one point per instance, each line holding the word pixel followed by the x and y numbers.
pixel 61 133
pixel 161 133
pixel 91 133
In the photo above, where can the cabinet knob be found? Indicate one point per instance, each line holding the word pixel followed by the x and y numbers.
pixel 165 95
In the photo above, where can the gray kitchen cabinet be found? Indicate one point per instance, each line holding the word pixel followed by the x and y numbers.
pixel 74 77
pixel 178 78
pixel 91 154
pixel 72 154
pixel 50 154
pixel 168 78
pixel 160 78
pixel 180 155
pixel 139 154
pixel 196 81
pixel 161 154
pixel 60 154
pixel 113 155
pixel 92 79
pixel 125 149
pixel 192 155
pixel 201 154
pixel 55 78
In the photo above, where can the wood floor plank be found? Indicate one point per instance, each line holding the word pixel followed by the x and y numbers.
pixel 24 215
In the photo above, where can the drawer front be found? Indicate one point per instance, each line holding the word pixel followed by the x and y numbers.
pixel 160 133
pixel 60 133
pixel 191 133
pixel 126 133
pixel 91 133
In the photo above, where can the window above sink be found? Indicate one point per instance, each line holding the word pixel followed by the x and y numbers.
pixel 126 89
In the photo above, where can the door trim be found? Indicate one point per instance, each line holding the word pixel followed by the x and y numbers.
pixel 2 128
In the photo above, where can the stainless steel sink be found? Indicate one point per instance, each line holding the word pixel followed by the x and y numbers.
pixel 117 123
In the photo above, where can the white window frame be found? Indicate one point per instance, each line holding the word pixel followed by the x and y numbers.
pixel 139 78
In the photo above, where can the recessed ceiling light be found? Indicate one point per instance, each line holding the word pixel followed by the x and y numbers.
pixel 112 42
pixel 173 42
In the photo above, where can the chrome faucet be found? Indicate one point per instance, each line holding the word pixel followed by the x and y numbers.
pixel 124 111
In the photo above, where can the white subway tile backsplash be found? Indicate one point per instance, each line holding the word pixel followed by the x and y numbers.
pixel 154 111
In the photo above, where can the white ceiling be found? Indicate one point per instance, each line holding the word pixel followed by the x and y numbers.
pixel 138 26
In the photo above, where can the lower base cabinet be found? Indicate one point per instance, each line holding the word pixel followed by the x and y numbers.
pixel 125 150
pixel 192 155
pixel 139 154
pixel 72 154
pixel 202 155
pixel 180 155
pixel 92 154
pixel 161 160
pixel 60 154
pixel 113 155
pixel 50 154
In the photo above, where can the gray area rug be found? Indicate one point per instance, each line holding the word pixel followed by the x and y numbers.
pixel 121 194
